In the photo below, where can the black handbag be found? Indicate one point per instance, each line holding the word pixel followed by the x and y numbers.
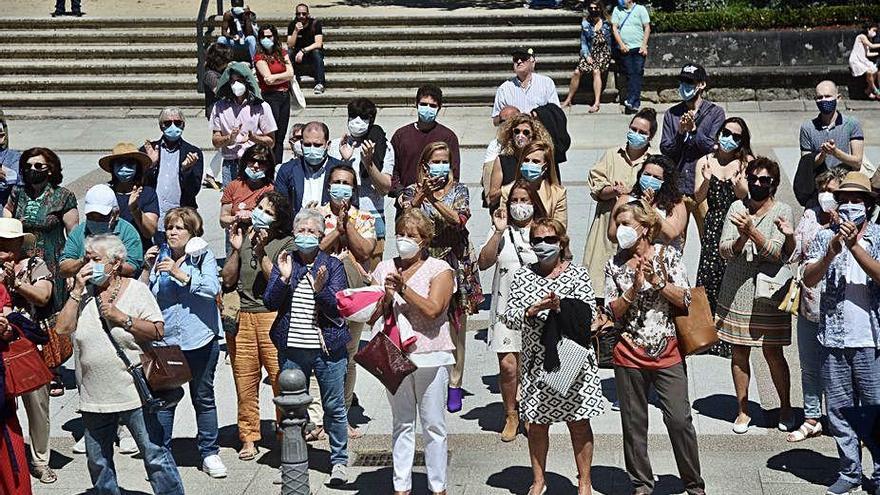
pixel 153 401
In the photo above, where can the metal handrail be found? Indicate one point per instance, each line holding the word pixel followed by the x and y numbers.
pixel 201 36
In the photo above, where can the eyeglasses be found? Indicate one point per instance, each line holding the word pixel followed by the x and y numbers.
pixel 39 166
pixel 268 36
pixel 728 133
pixel 302 14
pixel 518 60
pixel 764 180
pixel 166 123
pixel 525 132
pixel 549 239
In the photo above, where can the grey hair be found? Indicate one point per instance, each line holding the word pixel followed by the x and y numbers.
pixel 171 111
pixel 110 244
pixel 309 215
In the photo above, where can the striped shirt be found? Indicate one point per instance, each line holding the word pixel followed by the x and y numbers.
pixel 304 331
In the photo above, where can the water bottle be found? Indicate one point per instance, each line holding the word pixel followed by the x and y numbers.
pixel 164 252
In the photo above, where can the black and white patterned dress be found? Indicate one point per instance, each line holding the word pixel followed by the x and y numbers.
pixel 539 403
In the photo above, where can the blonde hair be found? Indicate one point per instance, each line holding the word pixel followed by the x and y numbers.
pixel 644 214
pixel 429 151
pixel 558 229
pixel 415 218
pixel 191 219
pixel 539 132
pixel 549 159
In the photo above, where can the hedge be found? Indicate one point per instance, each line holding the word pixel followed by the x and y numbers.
pixel 740 18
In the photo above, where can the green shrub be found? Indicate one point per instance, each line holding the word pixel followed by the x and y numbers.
pixel 747 18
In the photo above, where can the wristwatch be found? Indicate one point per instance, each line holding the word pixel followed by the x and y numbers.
pixel 128 323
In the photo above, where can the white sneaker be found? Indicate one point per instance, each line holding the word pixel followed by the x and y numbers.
pixel 277 480
pixel 128 446
pixel 338 476
pixel 80 447
pixel 214 466
pixel 319 89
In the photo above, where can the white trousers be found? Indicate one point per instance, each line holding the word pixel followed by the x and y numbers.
pixel 424 391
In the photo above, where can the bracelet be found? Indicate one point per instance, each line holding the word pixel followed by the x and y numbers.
pixel 74 298
pixel 628 300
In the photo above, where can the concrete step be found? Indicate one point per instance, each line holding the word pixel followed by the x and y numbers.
pixel 99 66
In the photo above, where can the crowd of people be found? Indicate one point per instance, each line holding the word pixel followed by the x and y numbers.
pixel 136 275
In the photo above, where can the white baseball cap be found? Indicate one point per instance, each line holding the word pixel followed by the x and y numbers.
pixel 100 199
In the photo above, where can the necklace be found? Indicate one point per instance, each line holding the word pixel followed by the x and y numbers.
pixel 114 293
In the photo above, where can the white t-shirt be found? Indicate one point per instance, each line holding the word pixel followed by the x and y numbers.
pixel 313 185
pixel 369 199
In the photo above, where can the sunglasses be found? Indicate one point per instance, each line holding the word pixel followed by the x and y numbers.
pixel 549 239
pixel 166 123
pixel 302 14
pixel 525 132
pixel 39 166
pixel 764 180
pixel 518 60
pixel 728 133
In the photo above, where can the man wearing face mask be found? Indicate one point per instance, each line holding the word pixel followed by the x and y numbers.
pixel 137 203
pixel 690 129
pixel 240 28
pixel 832 138
pixel 102 217
pixel 409 141
pixel 240 118
pixel 8 162
pixel 303 180
pixel 367 149
pixel 176 166
pixel 631 27
pixel 295 140
pixel 526 90
pixel 846 258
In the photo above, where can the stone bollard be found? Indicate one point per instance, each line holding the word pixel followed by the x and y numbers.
pixel 293 402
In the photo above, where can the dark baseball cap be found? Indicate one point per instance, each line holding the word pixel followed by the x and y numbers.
pixel 522 53
pixel 693 72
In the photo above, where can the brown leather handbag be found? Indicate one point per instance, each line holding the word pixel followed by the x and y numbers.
pixel 25 369
pixel 384 359
pixel 695 326
pixel 165 367
pixel 59 348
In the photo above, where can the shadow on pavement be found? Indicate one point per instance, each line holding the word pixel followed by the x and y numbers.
pixel 518 479
pixel 724 408
pixel 808 465
pixel 380 481
pixel 490 417
pixel 612 480
pixel 491 383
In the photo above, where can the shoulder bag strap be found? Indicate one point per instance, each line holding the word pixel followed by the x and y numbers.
pixel 119 351
pixel 623 22
pixel 515 247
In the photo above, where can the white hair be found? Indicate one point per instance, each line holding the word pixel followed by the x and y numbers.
pixel 171 112
pixel 109 244
pixel 309 215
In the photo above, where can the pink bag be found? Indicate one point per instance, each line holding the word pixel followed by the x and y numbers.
pixel 358 305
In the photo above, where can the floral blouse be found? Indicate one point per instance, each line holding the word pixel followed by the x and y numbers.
pixel 647 322
pixel 805 233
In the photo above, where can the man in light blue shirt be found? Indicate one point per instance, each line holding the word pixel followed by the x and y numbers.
pixel 8 162
pixel 631 26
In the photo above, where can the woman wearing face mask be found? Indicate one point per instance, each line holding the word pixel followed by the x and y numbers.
pixel 186 287
pixel 308 331
pixel 815 219
pixel 274 73
pixel 538 169
pixel 418 291
pixel 255 177
pixel 756 238
pixel 595 52
pixel 721 182
pixel 255 249
pixel 138 204
pixel 516 133
pixel 644 282
pixel 103 298
pixel 508 249
pixel 49 212
pixel 447 203
pixel 539 292
pixel 657 184
pixel 613 176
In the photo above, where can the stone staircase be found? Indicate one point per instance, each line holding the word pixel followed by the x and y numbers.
pixel 92 62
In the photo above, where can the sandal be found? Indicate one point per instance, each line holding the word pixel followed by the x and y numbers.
pixel 45 474
pixel 593 109
pixel 804 432
pixel 316 434
pixel 354 432
pixel 56 386
pixel 248 454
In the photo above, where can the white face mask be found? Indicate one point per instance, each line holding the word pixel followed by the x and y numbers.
pixel 298 148
pixel 357 127
pixel 407 248
pixel 238 88
pixel 626 236
pixel 522 211
pixel 827 201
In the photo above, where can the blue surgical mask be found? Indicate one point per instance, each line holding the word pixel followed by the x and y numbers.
pixel 728 143
pixel 438 169
pixel 254 175
pixel 96 227
pixel 636 140
pixel 687 91
pixel 852 212
pixel 306 243
pixel 649 182
pixel 531 171
pixel 546 251
pixel 261 220
pixel 99 274
pixel 427 113
pixel 827 107
pixel 172 132
pixel 238 10
pixel 125 172
pixel 314 155
pixel 340 192
pixel 621 4
pixel 267 43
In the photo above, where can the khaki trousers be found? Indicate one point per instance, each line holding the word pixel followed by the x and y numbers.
pixel 251 351
pixel 36 405
pixel 459 339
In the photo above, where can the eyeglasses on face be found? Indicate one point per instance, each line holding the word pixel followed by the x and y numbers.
pixel 525 132
pixel 764 180
pixel 728 133
pixel 549 239
pixel 166 123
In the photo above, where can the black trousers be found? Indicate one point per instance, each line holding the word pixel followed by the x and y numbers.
pixel 279 101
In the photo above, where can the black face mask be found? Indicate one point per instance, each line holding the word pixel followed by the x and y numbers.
pixel 34 176
pixel 758 192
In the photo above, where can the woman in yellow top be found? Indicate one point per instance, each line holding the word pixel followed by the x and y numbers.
pixel 539 170
pixel 614 175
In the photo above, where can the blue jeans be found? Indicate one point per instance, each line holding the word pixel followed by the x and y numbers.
pixel 100 436
pixel 228 171
pixel 330 372
pixel 634 67
pixel 315 58
pixel 851 377
pixel 250 41
pixel 811 382
pixel 202 363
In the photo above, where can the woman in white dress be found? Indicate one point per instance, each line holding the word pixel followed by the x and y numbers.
pixel 859 63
